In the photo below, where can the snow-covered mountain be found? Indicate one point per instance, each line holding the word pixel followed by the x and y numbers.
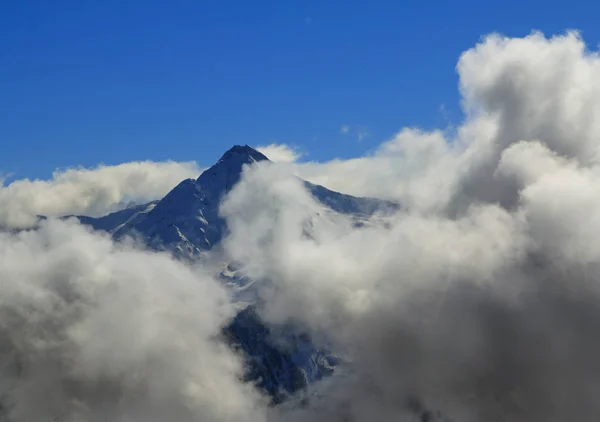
pixel 186 222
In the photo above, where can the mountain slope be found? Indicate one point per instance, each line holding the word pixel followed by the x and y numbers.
pixel 117 220
pixel 186 222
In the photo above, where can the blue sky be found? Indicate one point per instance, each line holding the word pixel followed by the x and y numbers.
pixel 85 82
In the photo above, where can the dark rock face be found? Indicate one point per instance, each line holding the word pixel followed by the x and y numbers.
pixel 272 369
pixel 280 363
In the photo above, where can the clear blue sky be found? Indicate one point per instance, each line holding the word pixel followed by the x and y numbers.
pixel 84 82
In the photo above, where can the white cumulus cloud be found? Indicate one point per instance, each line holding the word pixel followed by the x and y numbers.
pixel 93 192
pixel 280 153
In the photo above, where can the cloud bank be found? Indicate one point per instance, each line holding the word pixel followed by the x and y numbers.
pixel 93 331
pixel 92 192
pixel 480 300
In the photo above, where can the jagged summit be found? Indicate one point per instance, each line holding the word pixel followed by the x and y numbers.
pixel 243 153
pixel 221 177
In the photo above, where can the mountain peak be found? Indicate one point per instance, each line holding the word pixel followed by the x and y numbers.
pixel 221 177
pixel 242 153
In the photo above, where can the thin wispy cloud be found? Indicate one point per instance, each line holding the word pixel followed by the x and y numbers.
pixel 361 132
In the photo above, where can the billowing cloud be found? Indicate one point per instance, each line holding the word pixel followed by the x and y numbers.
pixel 280 153
pixel 91 192
pixel 93 331
pixel 513 89
pixel 415 167
pixel 479 300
